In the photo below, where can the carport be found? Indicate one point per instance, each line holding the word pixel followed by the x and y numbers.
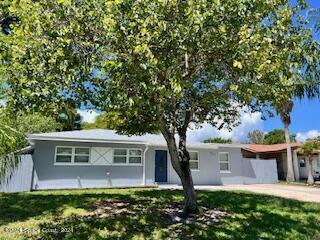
pixel 278 152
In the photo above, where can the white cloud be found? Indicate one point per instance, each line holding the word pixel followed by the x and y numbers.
pixel 301 137
pixel 249 122
pixel 88 115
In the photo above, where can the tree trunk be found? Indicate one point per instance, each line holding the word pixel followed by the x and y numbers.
pixel 309 167
pixel 190 200
pixel 180 162
pixel 290 172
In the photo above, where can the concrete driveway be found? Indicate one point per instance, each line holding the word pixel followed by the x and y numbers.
pixel 308 194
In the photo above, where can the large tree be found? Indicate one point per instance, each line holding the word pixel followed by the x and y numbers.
pixel 159 65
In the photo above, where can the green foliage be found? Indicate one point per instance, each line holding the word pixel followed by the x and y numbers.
pixel 217 140
pixel 10 141
pixel 48 50
pixel 104 121
pixel 309 148
pixel 155 62
pixel 277 136
pixel 69 119
pixel 256 137
pixel 35 123
pixel 13 133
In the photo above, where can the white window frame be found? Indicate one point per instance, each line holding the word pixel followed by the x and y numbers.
pixel 113 155
pixel 127 163
pixel 72 156
pixel 141 156
pixel 198 161
pixel 229 162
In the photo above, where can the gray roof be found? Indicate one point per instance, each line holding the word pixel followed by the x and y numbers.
pixel 98 134
pixel 104 135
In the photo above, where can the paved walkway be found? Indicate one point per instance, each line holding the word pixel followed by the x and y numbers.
pixel 308 194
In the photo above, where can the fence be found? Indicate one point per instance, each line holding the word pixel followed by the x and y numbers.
pixel 259 171
pixel 21 176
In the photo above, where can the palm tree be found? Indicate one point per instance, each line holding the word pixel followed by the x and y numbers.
pixel 285 114
pixel 305 77
pixel 308 149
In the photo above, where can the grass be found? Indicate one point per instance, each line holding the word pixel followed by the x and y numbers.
pixel 62 214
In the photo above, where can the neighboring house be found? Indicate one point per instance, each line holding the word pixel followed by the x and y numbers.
pixel 102 158
pixel 279 152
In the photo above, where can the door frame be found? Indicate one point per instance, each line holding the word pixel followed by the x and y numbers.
pixel 161 149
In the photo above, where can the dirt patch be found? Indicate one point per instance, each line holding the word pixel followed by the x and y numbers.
pixel 173 213
pixel 206 216
pixel 115 207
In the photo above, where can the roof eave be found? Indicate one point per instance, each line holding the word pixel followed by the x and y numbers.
pixel 41 138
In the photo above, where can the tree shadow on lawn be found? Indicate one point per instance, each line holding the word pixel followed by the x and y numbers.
pixel 141 220
pixel 22 206
pixel 253 216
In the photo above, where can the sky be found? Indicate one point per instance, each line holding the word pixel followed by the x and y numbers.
pixel 305 119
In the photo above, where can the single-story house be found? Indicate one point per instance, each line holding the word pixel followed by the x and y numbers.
pixel 102 158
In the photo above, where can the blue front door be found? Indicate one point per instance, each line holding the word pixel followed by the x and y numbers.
pixel 161 166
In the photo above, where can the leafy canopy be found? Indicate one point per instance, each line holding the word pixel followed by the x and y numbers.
pixel 35 123
pixel 155 63
pixel 170 61
pixel 217 140
pixel 309 148
pixel 104 121
pixel 277 136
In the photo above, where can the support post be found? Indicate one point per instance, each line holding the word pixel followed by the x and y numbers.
pixel 144 166
pixel 296 165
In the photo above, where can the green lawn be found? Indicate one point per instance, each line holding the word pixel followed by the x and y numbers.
pixel 252 216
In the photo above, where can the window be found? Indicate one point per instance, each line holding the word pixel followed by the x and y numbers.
pixel 71 155
pixel 302 162
pixel 135 156
pixel 64 155
pixel 81 155
pixel 194 160
pixel 127 156
pixel 224 162
pixel 120 156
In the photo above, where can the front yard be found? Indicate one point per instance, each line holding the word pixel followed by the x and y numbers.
pixel 77 214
